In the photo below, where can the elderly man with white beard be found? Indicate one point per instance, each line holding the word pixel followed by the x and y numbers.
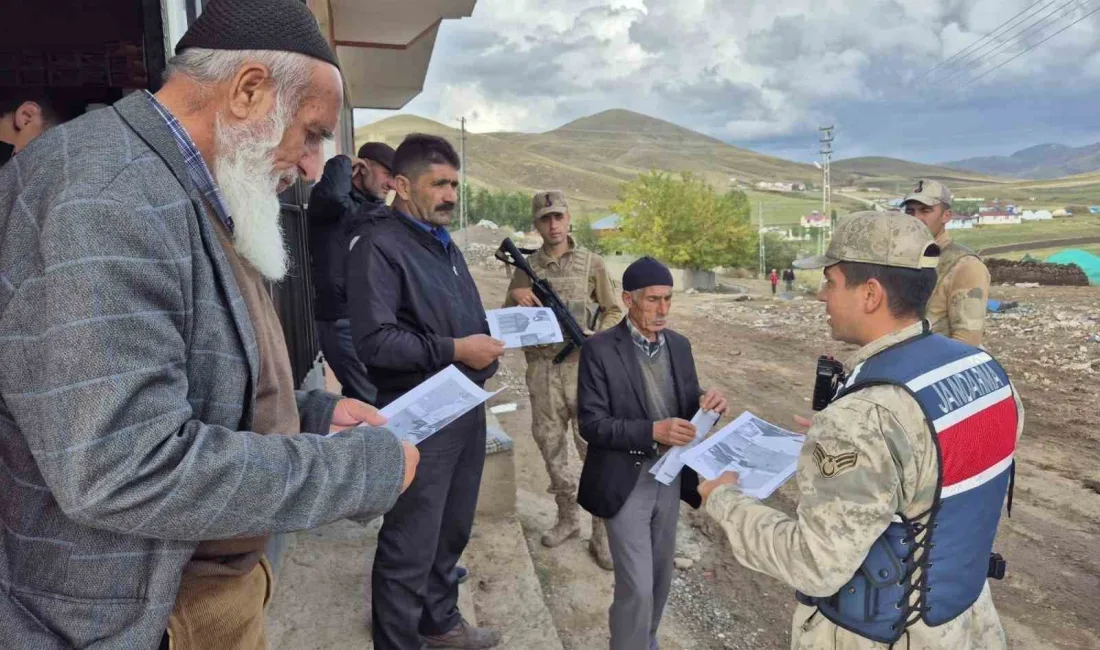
pixel 150 434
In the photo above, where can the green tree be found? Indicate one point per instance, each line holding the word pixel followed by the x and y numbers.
pixel 684 223
pixel 778 252
pixel 512 209
pixel 586 236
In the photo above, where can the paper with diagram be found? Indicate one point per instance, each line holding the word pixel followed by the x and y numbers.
pixel 763 455
pixel 440 400
pixel 668 468
pixel 520 327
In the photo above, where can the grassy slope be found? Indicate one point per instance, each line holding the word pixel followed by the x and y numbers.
pixel 984 236
pixel 590 159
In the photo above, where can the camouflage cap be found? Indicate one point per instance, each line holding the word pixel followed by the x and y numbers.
pixel 548 202
pixel 929 193
pixel 884 238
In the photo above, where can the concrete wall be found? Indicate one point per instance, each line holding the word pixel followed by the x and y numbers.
pixel 682 279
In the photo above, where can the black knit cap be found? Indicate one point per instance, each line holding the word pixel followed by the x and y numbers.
pixel 646 272
pixel 279 25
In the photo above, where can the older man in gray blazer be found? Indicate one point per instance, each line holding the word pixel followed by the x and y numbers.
pixel 141 359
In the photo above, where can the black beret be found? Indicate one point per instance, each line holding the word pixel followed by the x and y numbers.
pixel 279 25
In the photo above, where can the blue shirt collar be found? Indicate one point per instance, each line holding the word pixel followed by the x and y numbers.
pixel 196 166
pixel 439 232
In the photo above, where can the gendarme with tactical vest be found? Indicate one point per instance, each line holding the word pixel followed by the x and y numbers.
pixel 932 567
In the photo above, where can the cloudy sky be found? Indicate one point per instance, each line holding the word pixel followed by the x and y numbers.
pixel 765 74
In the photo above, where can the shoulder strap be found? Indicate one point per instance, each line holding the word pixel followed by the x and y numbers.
pixel 950 255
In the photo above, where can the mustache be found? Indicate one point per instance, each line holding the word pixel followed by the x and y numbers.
pixel 448 206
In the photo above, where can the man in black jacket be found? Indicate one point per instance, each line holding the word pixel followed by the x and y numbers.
pixel 636 394
pixel 414 311
pixel 345 185
pixel 27 115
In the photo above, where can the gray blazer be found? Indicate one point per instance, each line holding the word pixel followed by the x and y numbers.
pixel 128 367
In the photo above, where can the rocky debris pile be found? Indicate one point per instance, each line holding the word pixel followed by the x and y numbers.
pixel 1010 272
pixel 482 255
pixel 485 235
pixel 1050 342
pixel 797 318
pixel 1043 340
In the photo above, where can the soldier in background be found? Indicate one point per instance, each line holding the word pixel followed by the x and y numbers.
pixel 895 522
pixel 580 279
pixel 957 306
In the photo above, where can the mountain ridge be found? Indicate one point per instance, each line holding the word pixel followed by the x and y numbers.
pixel 591 157
pixel 1039 162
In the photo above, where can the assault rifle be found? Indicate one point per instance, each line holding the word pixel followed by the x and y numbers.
pixel 574 334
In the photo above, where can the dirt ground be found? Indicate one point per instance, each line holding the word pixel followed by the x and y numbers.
pixel 762 352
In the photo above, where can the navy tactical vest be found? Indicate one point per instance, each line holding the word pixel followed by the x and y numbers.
pixel 933 567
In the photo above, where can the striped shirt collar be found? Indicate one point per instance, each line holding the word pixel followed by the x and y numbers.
pixel 196 166
pixel 651 348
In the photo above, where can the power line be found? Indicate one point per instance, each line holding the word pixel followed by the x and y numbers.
pixel 1004 63
pixel 1040 25
pixel 1022 28
pixel 988 36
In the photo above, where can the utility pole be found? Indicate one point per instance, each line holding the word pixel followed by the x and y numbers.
pixel 826 187
pixel 462 191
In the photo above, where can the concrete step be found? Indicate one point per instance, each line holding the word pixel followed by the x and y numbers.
pixel 506 589
pixel 322 594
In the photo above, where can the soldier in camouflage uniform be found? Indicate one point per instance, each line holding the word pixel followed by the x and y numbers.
pixel 581 281
pixel 870 460
pixel 957 306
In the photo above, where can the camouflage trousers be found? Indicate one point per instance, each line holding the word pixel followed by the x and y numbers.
pixel 978 628
pixel 553 391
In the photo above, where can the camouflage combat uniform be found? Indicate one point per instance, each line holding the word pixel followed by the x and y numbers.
pixel 843 511
pixel 868 456
pixel 957 306
pixel 580 279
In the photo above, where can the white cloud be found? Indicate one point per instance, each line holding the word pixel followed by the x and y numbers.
pixel 741 70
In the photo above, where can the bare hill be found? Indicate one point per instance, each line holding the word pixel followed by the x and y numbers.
pixel 591 157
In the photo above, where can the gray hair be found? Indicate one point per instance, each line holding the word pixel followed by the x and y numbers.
pixel 290 71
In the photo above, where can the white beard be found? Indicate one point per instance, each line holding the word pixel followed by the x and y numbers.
pixel 244 167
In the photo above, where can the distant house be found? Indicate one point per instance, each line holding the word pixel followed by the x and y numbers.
pixel 1036 215
pixel 815 220
pixel 786 233
pixel 962 223
pixel 998 218
pixel 607 226
pixel 780 186
pixel 1094 209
